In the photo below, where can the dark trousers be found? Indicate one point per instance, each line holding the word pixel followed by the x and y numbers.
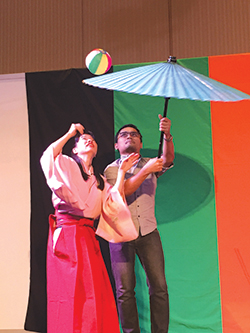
pixel 150 252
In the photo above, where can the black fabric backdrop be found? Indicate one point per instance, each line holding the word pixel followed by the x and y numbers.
pixel 55 100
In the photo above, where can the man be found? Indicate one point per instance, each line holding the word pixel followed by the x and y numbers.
pixel 140 187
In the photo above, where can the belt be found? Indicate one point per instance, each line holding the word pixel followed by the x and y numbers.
pixel 68 219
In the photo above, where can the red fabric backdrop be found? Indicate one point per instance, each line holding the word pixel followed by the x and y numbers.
pixel 231 154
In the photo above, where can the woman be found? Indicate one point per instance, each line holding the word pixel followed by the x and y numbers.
pixel 80 297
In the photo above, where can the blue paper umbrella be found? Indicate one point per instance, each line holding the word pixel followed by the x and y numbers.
pixel 169 80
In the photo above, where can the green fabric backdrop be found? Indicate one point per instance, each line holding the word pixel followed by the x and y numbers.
pixel 185 207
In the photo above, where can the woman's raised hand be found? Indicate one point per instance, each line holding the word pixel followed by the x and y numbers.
pixel 74 128
pixel 58 144
pixel 126 164
pixel 129 161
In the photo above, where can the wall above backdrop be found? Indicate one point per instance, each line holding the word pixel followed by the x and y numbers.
pixel 40 36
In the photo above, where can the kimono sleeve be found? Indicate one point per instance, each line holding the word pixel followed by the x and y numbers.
pixel 61 175
pixel 115 224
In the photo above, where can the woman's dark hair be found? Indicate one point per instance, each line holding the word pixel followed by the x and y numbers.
pixel 85 176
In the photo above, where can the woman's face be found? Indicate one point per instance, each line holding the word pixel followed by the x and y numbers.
pixel 86 144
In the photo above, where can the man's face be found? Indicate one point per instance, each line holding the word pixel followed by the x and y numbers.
pixel 128 141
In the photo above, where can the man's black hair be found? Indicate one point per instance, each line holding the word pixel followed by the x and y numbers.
pixel 128 125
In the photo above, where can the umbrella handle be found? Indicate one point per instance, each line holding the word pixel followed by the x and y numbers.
pixel 162 133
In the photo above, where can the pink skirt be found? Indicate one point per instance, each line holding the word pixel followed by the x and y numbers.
pixel 79 293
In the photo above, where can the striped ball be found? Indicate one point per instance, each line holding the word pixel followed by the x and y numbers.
pixel 98 61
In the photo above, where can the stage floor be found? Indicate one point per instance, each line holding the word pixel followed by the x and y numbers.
pixel 15 331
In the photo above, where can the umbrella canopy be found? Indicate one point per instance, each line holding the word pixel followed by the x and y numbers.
pixel 167 79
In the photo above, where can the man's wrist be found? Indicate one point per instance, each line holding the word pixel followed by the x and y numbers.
pixel 170 138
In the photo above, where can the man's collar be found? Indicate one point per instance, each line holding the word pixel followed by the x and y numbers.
pixel 122 157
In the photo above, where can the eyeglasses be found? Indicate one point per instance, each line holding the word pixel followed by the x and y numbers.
pixel 126 134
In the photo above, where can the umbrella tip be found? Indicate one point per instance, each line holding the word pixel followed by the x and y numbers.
pixel 172 59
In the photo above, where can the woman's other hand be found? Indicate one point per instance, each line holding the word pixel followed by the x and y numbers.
pixel 129 161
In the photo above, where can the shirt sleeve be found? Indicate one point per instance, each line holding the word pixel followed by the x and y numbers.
pixel 164 169
pixel 110 174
